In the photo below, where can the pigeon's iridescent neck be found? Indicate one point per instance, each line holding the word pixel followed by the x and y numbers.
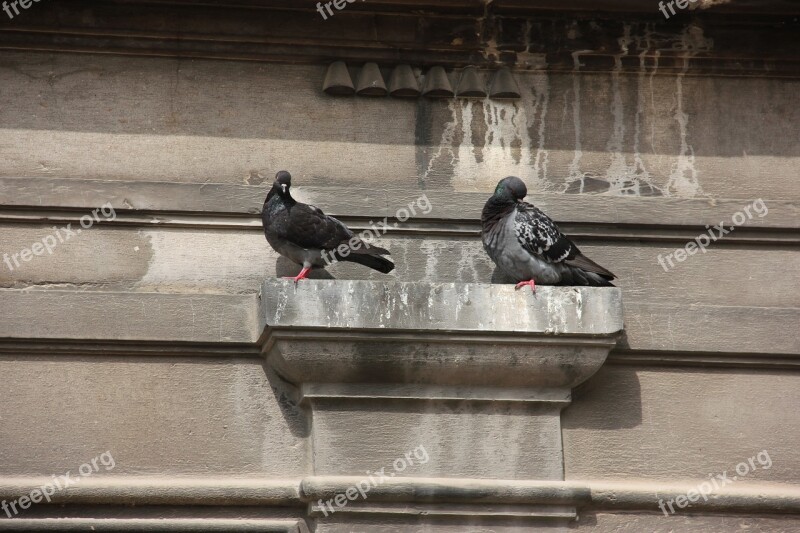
pixel 276 202
pixel 494 210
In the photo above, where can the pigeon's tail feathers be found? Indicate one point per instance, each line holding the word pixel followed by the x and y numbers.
pixel 590 267
pixel 577 276
pixel 375 262
pixel 369 249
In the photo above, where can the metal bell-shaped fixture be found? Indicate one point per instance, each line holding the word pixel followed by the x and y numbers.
pixel 370 81
pixel 471 84
pixel 437 85
pixel 337 80
pixel 504 86
pixel 403 83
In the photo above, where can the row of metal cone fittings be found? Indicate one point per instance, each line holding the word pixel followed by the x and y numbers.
pixel 403 83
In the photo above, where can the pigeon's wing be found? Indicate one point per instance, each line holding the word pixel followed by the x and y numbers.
pixel 539 235
pixel 308 227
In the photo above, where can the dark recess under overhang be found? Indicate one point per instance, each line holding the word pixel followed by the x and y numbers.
pixel 740 37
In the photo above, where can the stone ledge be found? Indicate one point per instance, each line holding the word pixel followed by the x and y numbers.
pixel 83 322
pixel 445 336
pixel 58 522
pixel 297 492
pixel 441 307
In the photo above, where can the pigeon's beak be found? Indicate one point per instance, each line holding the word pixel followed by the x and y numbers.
pixel 283 186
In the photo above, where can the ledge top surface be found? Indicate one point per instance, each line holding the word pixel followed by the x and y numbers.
pixel 474 307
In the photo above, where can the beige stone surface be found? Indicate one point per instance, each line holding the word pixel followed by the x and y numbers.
pixel 232 205
pixel 50 316
pixel 588 521
pixel 682 424
pixel 683 523
pixel 165 416
pixel 196 260
pixel 199 121
pixel 516 442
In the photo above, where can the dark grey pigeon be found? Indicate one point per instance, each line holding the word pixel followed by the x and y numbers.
pixel 526 244
pixel 307 236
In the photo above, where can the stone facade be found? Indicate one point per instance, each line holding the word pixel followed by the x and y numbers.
pixel 140 317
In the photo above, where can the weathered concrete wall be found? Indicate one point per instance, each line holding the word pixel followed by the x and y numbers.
pixel 166 416
pixel 204 121
pixel 680 423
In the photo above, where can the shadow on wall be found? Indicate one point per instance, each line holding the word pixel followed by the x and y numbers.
pixel 611 399
pixel 285 267
pixel 427 523
pixel 288 400
pixel 499 278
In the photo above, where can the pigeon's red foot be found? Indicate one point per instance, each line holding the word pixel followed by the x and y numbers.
pixel 302 275
pixel 523 283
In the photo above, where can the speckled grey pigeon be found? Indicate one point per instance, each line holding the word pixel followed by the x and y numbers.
pixel 309 237
pixel 526 244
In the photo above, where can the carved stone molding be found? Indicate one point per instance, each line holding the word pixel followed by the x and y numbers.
pixel 736 38
pixel 476 374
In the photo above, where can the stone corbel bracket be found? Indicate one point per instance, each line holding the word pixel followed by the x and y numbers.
pixel 477 374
